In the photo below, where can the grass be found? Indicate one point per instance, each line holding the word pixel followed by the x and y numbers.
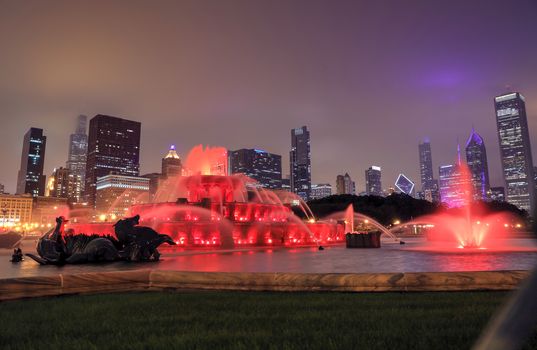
pixel 249 320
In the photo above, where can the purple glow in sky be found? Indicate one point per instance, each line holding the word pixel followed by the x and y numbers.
pixel 370 79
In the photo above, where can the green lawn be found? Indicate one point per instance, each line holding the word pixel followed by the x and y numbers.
pixel 249 320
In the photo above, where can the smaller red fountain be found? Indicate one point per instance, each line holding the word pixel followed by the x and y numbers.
pixel 469 224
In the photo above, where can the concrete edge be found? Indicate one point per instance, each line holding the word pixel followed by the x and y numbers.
pixel 157 280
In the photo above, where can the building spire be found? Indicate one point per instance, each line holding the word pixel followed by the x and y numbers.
pixel 458 152
pixel 172 153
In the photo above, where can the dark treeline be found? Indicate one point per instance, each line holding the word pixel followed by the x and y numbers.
pixel 400 207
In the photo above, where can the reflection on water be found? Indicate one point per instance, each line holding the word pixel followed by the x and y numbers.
pixel 412 257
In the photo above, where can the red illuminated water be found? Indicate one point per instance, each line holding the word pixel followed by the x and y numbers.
pixel 206 161
pixel 210 209
pixel 469 227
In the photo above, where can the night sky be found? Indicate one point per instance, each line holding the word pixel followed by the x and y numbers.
pixel 370 79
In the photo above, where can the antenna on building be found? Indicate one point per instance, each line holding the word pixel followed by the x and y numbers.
pixel 458 152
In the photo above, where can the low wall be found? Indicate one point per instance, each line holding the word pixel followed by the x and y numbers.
pixel 146 280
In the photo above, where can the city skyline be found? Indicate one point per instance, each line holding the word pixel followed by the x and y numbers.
pixel 333 77
pixel 424 160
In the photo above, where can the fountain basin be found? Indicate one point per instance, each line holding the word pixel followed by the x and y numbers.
pixel 158 280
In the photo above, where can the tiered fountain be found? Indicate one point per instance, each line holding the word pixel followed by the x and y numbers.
pixel 207 208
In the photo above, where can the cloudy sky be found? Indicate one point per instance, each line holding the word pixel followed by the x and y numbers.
pixel 370 79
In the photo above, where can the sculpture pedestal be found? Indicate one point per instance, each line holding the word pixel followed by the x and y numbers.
pixel 363 239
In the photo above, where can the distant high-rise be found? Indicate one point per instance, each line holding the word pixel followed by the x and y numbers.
pixel 448 176
pixel 453 185
pixel 171 164
pixel 320 191
pixel 113 148
pixel 156 180
pixel 345 185
pixel 515 150
pixel 426 163
pixel 373 185
pixel 76 162
pixel 63 184
pixel 476 157
pixel 264 167
pixel 300 162
pixel 30 178
pixel 116 193
pixel 429 185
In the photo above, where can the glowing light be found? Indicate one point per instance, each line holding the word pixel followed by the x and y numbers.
pixel 102 217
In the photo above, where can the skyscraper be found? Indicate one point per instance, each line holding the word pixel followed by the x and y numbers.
pixel 300 162
pixel 448 179
pixel 345 185
pixel 30 178
pixel 455 185
pixel 63 184
pixel 113 147
pixel 476 157
pixel 426 163
pixel 171 164
pixel 264 167
pixel 515 150
pixel 373 185
pixel 429 185
pixel 76 162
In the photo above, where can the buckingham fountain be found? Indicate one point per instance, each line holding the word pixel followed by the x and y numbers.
pixel 206 208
